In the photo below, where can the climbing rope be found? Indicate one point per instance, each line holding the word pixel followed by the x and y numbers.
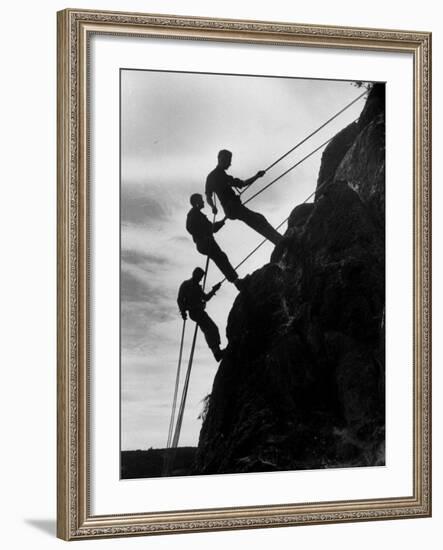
pixel 288 170
pixel 297 145
pixel 170 457
pixel 274 181
pixel 188 374
pixel 177 382
pixel 278 227
pixel 284 173
pixel 176 435
pixel 178 426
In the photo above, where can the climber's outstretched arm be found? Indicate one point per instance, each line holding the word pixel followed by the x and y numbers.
pixel 250 181
pixel 217 226
pixel 210 294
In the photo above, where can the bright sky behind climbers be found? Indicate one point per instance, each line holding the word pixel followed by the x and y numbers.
pixel 172 126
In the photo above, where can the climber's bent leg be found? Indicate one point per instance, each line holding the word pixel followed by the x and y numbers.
pixel 220 259
pixel 255 221
pixel 208 327
pixel 210 248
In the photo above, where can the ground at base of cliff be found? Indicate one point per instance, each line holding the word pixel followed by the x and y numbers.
pixel 150 463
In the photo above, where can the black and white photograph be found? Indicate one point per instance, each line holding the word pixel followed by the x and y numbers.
pixel 252 274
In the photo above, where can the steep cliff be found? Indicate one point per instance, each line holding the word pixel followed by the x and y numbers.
pixel 302 382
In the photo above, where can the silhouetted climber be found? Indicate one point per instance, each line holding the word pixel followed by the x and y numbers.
pixel 221 183
pixel 202 231
pixel 191 298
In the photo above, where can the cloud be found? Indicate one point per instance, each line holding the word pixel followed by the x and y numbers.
pixel 145 310
pixel 180 239
pixel 134 287
pixel 148 261
pixel 138 206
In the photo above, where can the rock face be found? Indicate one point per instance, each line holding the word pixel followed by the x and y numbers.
pixel 302 382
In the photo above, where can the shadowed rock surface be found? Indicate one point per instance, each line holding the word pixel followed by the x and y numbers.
pixel 302 382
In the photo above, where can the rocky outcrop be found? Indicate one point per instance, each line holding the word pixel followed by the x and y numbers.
pixel 302 381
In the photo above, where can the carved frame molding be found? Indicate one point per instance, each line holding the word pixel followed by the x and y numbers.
pixel 73 511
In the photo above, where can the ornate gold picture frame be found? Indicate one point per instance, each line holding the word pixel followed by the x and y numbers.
pixel 76 518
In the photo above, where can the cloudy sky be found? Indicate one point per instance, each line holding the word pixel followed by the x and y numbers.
pixel 172 126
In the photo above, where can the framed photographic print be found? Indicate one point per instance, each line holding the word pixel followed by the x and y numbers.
pixel 243 274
